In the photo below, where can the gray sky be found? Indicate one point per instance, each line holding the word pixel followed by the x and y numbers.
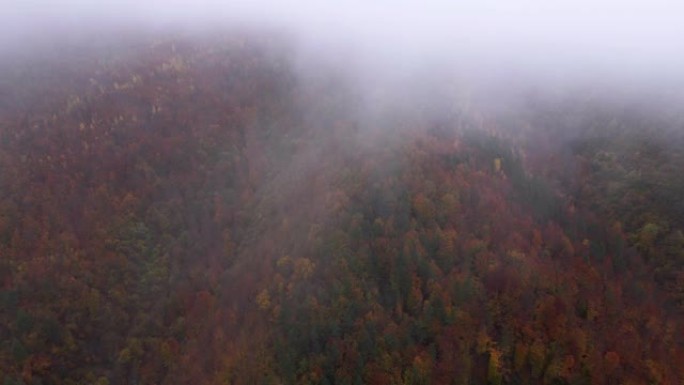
pixel 636 39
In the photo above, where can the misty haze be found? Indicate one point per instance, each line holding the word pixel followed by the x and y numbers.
pixel 301 192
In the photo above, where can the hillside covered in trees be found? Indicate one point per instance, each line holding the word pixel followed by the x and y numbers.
pixel 213 211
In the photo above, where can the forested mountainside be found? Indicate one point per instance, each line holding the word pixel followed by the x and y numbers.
pixel 622 162
pixel 185 211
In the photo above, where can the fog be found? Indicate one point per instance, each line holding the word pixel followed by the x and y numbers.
pixel 623 46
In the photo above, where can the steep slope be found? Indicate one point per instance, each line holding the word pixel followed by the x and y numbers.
pixel 196 211
pixel 126 186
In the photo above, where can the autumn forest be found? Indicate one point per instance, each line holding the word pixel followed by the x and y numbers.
pixel 196 211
